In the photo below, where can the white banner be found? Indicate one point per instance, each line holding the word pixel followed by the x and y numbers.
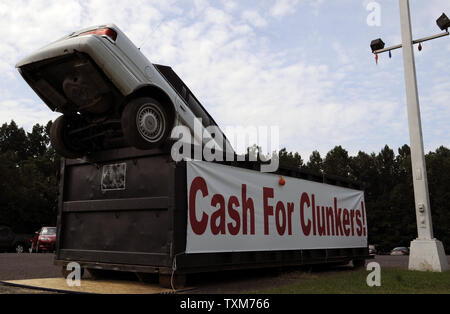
pixel 233 209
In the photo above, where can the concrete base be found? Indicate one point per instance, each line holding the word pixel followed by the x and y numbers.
pixel 427 255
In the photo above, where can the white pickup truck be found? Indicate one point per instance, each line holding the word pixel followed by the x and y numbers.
pixel 109 93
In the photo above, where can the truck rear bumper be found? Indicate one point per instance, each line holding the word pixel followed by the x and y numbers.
pixel 105 54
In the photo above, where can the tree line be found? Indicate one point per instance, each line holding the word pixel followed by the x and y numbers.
pixel 386 178
pixel 28 178
pixel 29 169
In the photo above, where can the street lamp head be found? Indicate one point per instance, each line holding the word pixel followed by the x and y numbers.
pixel 443 22
pixel 376 44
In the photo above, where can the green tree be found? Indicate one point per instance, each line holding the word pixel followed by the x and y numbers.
pixel 315 162
pixel 28 177
pixel 337 162
pixel 13 139
pixel 29 184
pixel 38 141
pixel 438 170
pixel 291 160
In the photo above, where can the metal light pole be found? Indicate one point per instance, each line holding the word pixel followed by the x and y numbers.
pixel 426 252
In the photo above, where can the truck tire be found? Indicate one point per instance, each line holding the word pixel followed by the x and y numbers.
pixel 60 140
pixel 146 124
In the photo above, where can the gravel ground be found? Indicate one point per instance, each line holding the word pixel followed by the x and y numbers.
pixel 26 266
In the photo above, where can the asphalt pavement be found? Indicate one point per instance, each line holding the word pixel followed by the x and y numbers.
pixel 40 265
pixel 15 266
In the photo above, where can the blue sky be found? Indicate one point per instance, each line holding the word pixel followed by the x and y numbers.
pixel 302 65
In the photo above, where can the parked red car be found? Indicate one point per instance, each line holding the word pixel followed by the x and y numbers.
pixel 44 240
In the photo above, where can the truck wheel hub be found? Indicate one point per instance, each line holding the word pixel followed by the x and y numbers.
pixel 150 122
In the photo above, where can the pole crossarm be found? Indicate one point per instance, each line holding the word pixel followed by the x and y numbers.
pixel 417 41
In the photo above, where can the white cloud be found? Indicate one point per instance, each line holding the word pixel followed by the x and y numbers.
pixel 283 7
pixel 316 5
pixel 224 56
pixel 254 18
pixel 229 5
pixel 25 112
pixel 242 83
pixel 341 53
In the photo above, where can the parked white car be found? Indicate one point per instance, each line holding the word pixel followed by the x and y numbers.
pixel 109 93
pixel 400 251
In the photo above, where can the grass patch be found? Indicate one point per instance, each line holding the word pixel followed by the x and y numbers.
pixel 393 281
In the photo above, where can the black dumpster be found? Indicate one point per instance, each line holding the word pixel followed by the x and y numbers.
pixel 127 210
